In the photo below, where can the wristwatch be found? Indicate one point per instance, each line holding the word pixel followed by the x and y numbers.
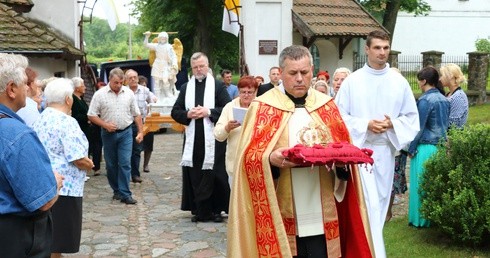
pixel 209 112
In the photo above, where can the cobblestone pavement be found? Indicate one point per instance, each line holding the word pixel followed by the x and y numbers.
pixel 155 227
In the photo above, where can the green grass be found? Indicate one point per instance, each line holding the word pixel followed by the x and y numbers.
pixel 479 114
pixel 235 78
pixel 404 241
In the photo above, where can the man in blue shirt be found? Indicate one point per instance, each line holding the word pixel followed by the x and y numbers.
pixel 28 186
pixel 231 88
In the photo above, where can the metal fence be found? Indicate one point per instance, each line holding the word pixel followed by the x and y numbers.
pixel 409 65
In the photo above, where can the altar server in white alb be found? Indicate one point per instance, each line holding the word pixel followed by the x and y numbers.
pixel 380 111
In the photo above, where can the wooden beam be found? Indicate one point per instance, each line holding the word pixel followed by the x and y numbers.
pixel 343 42
pixel 308 42
pixel 302 27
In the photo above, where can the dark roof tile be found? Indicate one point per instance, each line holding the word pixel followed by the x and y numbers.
pixel 21 35
pixel 332 18
pixel 20 2
pixel 21 6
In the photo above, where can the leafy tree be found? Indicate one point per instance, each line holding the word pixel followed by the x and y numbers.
pixel 386 11
pixel 483 45
pixel 102 44
pixel 198 23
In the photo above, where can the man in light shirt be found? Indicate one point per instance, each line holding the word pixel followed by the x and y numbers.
pixel 30 113
pixel 143 97
pixel 114 109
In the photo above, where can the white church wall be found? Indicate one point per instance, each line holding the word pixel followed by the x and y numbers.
pixel 452 27
pixel 265 20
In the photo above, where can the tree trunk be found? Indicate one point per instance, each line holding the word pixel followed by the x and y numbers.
pixel 202 41
pixel 390 15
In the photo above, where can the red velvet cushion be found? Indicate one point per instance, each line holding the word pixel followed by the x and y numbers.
pixel 329 155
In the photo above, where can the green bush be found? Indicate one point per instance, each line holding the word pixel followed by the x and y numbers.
pixel 482 45
pixel 456 186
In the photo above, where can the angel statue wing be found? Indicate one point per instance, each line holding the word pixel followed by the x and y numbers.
pixel 153 55
pixel 179 51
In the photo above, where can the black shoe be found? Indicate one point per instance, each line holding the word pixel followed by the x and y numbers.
pixel 129 200
pixel 218 218
pixel 116 197
pixel 195 218
pixel 137 179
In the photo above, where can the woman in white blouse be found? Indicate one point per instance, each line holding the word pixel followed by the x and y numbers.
pixel 228 127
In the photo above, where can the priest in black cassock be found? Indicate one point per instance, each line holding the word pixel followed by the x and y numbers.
pixel 205 189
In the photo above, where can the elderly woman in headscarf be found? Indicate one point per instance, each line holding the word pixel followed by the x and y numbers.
pixel 67 148
pixel 321 86
pixel 324 76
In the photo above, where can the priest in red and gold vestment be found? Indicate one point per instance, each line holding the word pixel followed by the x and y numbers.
pixel 307 211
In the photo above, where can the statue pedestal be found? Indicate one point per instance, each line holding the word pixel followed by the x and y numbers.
pixel 158 108
pixel 155 121
pixel 159 117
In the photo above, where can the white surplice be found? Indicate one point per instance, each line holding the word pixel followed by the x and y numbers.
pixel 370 94
pixel 306 184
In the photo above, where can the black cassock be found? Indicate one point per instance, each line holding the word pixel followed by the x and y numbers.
pixel 204 191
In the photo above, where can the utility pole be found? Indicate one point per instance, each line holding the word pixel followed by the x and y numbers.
pixel 130 38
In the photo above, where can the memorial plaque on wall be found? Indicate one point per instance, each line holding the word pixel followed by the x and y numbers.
pixel 267 47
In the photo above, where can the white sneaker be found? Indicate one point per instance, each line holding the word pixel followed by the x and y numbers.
pixel 86 178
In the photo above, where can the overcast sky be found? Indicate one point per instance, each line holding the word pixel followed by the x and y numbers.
pixel 122 7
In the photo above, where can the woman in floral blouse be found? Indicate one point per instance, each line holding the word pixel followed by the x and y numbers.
pixel 67 148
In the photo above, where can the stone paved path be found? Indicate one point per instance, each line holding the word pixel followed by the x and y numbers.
pixel 155 227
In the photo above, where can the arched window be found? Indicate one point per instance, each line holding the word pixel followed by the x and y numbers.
pixel 316 58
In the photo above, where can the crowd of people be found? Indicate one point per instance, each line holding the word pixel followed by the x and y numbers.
pixel 48 128
pixel 276 210
pixel 233 159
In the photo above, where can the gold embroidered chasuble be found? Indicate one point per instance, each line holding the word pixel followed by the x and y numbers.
pixel 261 220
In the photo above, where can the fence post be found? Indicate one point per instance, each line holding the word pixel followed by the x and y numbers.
pixel 393 58
pixel 478 74
pixel 432 58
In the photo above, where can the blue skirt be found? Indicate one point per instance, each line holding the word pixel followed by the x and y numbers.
pixel 417 169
